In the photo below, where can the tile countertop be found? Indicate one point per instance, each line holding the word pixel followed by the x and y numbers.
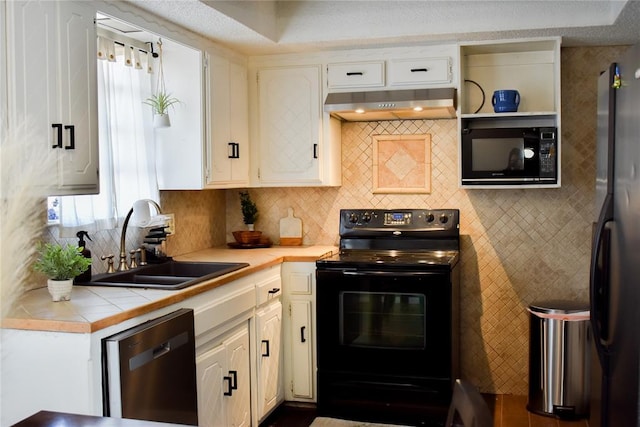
pixel 92 308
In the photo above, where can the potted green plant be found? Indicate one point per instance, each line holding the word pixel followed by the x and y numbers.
pixel 160 102
pixel 60 265
pixel 249 209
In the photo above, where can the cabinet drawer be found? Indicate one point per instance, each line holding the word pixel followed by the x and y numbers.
pixel 268 289
pixel 416 71
pixel 222 309
pixel 356 74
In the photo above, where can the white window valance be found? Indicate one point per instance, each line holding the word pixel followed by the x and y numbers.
pixel 114 48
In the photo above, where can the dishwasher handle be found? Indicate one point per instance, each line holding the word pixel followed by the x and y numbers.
pixel 153 353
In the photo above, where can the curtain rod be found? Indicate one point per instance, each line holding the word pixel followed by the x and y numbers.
pixel 124 40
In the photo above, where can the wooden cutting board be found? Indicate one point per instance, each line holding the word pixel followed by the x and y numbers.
pixel 290 230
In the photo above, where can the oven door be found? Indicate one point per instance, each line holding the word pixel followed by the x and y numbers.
pixel 391 323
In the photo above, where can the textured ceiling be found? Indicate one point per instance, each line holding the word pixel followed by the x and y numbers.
pixel 265 27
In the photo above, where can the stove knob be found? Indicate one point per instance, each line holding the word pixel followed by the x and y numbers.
pixel 353 218
pixel 444 219
pixel 366 217
pixel 429 217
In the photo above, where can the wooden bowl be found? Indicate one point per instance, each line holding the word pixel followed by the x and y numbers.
pixel 247 237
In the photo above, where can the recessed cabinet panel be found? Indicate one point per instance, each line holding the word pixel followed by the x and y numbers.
pixel 417 71
pixel 211 368
pixel 289 125
pixel 358 74
pixel 239 408
pixel 301 347
pixel 269 344
pixel 300 283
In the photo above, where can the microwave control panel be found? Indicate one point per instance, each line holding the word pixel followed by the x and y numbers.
pixel 547 152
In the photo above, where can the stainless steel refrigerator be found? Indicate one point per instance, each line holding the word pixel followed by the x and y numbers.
pixel 615 258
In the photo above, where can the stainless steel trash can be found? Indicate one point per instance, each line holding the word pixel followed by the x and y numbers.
pixel 559 358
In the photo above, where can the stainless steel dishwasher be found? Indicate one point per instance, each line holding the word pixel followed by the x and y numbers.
pixel 149 371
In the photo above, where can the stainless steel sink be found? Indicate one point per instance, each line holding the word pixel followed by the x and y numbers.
pixel 169 275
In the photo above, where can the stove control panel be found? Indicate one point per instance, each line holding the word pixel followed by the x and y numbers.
pixel 383 220
pixel 397 218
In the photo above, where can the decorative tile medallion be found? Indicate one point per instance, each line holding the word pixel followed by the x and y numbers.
pixel 401 164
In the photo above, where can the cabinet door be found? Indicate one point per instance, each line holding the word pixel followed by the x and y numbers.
pixel 211 370
pixel 52 88
pixel 301 349
pixel 298 283
pixel 224 395
pixel 239 122
pixel 239 403
pixel 229 121
pixel 289 107
pixel 269 327
pixel 79 97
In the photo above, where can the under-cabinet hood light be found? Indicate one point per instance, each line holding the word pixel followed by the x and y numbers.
pixel 393 104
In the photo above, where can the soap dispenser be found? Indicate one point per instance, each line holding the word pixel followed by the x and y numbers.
pixel 86 276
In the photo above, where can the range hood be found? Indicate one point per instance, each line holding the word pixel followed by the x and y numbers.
pixel 392 104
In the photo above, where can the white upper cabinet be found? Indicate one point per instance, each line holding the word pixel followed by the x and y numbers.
pixel 294 137
pixel 52 88
pixel 207 145
pixel 180 148
pixel 530 66
pixel 356 74
pixel 228 116
pixel 365 70
pixel 419 71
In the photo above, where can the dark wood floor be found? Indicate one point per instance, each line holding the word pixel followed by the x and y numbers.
pixel 508 411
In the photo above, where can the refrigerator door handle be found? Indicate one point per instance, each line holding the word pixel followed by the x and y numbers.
pixel 599 278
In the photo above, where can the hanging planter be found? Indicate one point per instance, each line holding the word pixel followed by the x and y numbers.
pixel 161 100
pixel 161 120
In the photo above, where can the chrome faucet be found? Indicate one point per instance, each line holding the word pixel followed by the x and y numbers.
pixel 122 266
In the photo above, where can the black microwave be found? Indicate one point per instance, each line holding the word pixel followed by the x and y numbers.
pixel 509 156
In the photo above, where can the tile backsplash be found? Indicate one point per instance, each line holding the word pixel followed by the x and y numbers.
pixel 518 246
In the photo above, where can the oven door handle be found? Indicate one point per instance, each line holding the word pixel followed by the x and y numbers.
pixel 390 273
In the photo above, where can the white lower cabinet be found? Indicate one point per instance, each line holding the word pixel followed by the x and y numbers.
pixel 237 384
pixel 224 393
pixel 298 282
pixel 269 355
pixel 239 351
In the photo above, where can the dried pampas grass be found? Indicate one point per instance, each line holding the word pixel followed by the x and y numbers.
pixel 23 162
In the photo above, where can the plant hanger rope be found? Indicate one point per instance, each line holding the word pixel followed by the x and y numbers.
pixel 160 87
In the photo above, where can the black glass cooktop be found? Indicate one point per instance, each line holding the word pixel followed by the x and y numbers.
pixel 393 258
